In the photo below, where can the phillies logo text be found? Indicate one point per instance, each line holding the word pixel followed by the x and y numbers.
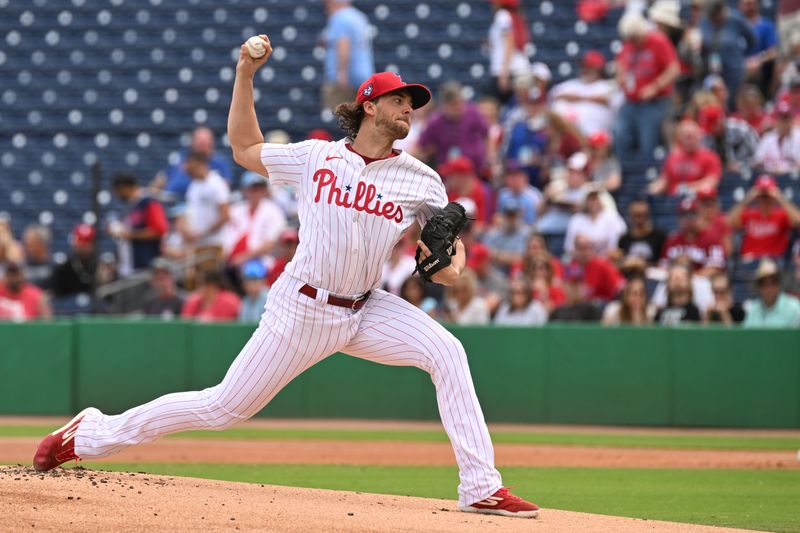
pixel 366 197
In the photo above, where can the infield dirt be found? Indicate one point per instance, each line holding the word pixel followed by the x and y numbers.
pixel 93 501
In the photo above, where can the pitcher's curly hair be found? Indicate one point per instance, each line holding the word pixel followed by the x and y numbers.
pixel 349 116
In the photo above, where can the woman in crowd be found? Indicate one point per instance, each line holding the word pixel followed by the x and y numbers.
pixel 462 304
pixel 520 309
pixel 631 308
pixel 413 291
pixel 602 225
pixel 725 310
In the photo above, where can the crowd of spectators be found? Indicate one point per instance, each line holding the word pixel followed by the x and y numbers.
pixel 697 93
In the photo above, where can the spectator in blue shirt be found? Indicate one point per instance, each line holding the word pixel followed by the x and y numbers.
pixel 519 192
pixel 348 52
pixel 761 56
pixel 508 238
pixel 726 39
pixel 175 181
pixel 255 291
pixel 529 143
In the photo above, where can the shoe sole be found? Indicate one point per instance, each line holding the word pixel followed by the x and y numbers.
pixel 501 512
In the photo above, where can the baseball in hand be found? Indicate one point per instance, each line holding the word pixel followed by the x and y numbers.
pixel 255 47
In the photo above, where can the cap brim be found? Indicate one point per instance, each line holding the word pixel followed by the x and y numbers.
pixel 420 95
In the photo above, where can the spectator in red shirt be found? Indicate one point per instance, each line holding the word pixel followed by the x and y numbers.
pixel 211 302
pixel 144 226
pixel 646 69
pixel 704 250
pixel 689 167
pixel 711 218
pixel 766 218
pixel 462 182
pixel 20 300
pixel 601 278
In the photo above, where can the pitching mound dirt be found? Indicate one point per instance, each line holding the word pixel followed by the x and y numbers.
pixel 89 501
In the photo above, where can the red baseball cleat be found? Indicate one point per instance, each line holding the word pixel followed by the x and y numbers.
pixel 503 503
pixel 58 447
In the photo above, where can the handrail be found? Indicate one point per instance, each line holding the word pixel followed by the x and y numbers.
pixel 140 278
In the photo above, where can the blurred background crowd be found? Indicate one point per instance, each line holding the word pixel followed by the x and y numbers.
pixel 642 170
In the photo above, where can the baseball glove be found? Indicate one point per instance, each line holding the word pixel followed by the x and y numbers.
pixel 439 235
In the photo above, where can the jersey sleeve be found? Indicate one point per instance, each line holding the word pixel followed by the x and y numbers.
pixel 434 201
pixel 285 163
pixel 156 218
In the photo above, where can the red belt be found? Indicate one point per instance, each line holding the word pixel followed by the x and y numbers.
pixel 355 305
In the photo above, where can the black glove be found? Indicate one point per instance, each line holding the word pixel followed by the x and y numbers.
pixel 439 235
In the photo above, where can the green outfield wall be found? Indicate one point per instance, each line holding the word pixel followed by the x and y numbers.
pixel 553 374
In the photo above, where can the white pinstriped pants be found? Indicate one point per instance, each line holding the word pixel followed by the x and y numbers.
pixel 295 333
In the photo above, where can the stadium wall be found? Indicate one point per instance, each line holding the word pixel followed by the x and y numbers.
pixel 554 374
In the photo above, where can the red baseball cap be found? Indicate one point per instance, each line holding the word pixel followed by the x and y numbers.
pixel 686 206
pixel 707 193
pixel 594 59
pixel 289 235
pixel 478 255
pixel 83 234
pixel 709 117
pixel 765 182
pixel 783 109
pixel 386 82
pixel 457 165
pixel 510 4
pixel 320 135
pixel 599 139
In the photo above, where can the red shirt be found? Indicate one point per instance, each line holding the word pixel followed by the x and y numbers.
pixel 602 279
pixel 718 226
pixel 704 249
pixel 683 167
pixel 277 269
pixel 477 194
pixel 643 64
pixel 29 299
pixel 224 307
pixel 555 295
pixel 765 234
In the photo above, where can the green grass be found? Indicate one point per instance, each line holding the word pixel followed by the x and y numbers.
pixel 754 499
pixel 708 442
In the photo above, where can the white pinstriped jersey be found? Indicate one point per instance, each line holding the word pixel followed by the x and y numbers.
pixel 351 213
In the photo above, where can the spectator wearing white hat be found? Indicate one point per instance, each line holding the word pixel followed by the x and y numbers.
pixel 773 308
pixel 646 69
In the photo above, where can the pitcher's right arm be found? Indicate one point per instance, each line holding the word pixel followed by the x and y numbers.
pixel 244 133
